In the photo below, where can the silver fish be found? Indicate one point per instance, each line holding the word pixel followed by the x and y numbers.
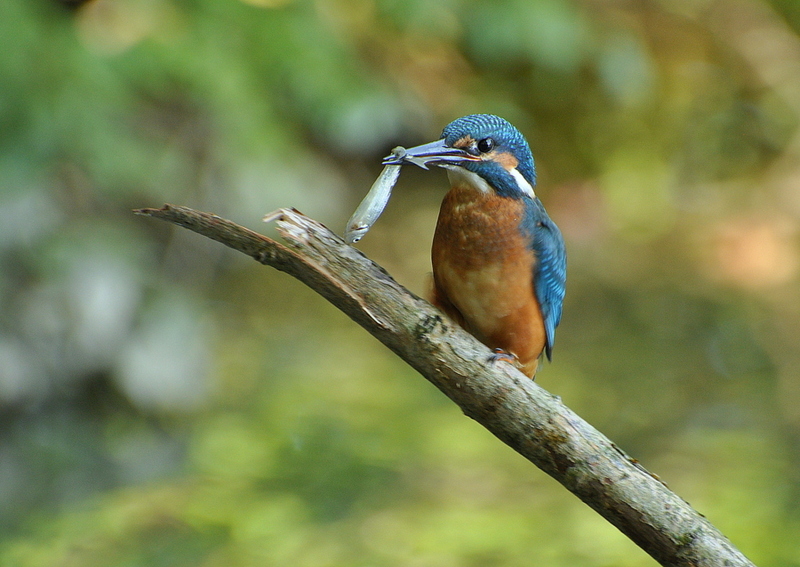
pixel 375 201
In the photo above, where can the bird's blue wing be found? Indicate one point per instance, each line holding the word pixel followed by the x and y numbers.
pixel 550 272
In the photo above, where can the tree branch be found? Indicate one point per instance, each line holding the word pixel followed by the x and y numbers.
pixel 515 409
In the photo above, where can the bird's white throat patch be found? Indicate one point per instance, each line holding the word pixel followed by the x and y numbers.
pixel 460 176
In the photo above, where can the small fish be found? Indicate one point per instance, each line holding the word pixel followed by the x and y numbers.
pixel 373 204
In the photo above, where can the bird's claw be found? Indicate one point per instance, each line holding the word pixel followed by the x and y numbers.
pixel 499 354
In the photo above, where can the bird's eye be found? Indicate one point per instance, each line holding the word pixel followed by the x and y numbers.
pixel 485 145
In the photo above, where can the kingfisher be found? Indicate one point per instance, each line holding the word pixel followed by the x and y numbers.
pixel 499 261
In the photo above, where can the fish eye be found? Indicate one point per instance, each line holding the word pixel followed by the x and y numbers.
pixel 486 145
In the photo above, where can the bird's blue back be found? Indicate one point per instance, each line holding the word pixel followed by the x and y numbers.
pixel 550 271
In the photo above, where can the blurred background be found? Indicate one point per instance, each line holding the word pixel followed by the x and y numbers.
pixel 165 401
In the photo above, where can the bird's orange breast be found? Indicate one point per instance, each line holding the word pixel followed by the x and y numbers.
pixel 483 272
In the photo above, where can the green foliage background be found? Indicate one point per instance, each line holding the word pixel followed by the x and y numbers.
pixel 166 402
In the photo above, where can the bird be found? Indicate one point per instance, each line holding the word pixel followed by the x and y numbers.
pixel 499 261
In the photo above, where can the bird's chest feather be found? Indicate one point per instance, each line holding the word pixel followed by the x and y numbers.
pixel 482 261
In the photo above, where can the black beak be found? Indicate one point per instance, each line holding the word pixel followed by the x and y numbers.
pixel 435 153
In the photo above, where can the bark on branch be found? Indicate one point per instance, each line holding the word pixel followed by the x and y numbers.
pixel 515 409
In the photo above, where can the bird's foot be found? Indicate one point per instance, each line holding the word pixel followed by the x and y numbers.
pixel 499 354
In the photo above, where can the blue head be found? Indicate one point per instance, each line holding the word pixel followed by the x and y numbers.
pixel 485 145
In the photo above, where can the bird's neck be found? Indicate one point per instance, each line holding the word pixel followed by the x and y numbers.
pixel 460 177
